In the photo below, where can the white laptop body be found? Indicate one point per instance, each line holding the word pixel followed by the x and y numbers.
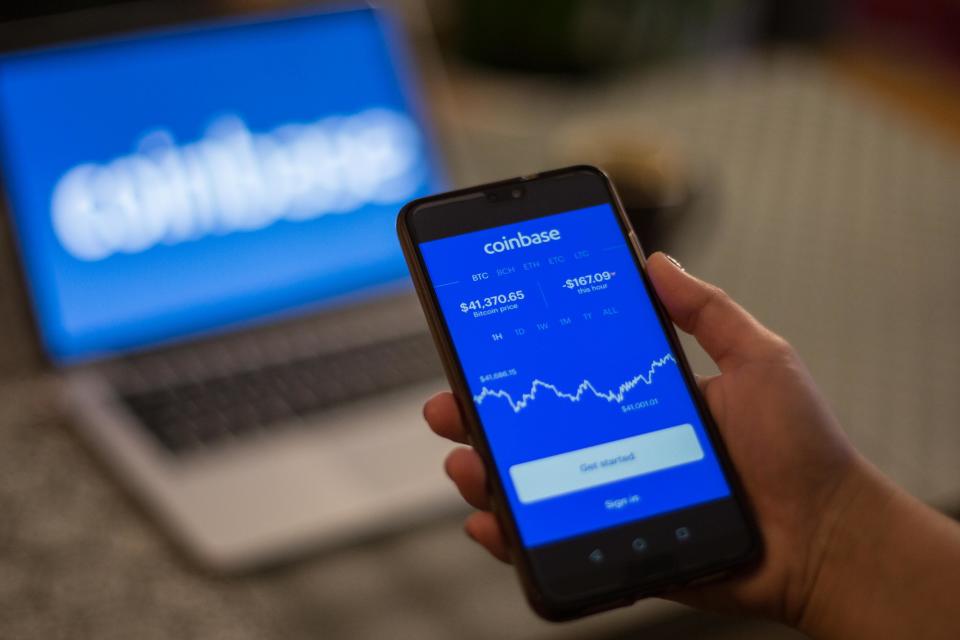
pixel 204 217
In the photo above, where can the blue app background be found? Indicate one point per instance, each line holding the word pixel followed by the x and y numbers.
pixel 563 336
pixel 62 108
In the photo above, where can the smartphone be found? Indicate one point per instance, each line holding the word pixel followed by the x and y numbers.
pixel 606 470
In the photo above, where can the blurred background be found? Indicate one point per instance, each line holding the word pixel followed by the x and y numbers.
pixel 804 155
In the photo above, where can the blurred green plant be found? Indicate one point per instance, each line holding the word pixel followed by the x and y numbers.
pixel 591 35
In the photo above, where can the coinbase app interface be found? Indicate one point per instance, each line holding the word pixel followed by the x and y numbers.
pixel 578 389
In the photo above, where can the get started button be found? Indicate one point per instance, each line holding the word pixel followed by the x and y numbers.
pixel 605 463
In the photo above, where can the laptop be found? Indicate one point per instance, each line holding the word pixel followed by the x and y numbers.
pixel 205 221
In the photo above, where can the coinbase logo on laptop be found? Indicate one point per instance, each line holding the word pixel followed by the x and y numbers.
pixel 234 180
pixel 169 183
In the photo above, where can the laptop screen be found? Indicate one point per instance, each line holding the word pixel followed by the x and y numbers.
pixel 177 182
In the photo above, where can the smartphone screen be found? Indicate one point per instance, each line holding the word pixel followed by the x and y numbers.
pixel 600 447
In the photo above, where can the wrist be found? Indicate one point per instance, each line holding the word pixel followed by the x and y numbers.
pixel 855 531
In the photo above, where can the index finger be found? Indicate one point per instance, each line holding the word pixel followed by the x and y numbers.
pixel 723 328
pixel 443 415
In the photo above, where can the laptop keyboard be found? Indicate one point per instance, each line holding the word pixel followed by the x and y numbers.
pixel 194 415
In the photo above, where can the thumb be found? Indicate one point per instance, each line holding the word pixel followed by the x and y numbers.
pixel 728 334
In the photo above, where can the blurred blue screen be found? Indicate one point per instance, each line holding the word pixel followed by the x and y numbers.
pixel 176 182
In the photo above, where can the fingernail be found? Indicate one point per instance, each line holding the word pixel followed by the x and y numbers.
pixel 674 261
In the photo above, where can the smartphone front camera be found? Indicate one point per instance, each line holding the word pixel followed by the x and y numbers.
pixel 516 193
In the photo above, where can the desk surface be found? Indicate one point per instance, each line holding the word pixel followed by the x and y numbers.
pixel 830 216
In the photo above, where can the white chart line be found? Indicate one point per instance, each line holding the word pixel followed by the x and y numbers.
pixel 585 386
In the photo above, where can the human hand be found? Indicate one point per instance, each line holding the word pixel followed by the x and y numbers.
pixel 795 463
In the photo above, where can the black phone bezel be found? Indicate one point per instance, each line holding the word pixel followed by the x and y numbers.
pixel 546 606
